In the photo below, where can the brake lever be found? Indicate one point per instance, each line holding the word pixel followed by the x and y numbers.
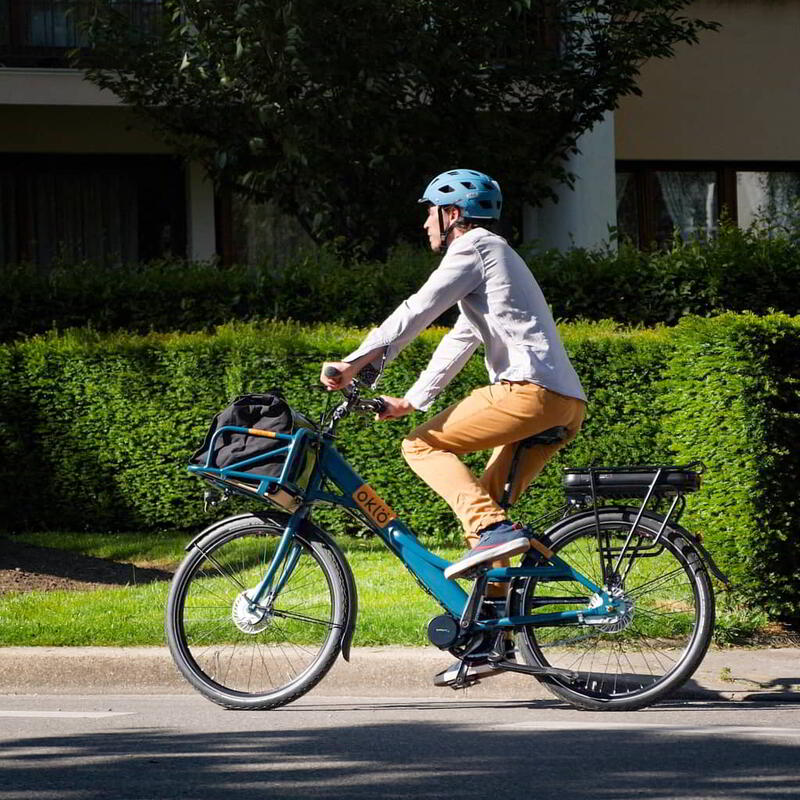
pixel 376 405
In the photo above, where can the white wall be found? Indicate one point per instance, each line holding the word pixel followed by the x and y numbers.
pixel 200 224
pixel 735 96
pixel 583 214
pixel 51 87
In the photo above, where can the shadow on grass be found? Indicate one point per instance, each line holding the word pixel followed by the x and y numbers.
pixel 25 567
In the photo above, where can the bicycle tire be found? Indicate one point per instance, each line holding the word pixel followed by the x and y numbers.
pixel 653 648
pixel 246 662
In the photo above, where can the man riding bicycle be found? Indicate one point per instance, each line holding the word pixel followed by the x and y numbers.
pixel 533 384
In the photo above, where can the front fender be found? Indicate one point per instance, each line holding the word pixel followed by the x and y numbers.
pixel 279 519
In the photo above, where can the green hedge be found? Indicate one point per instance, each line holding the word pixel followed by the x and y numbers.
pixel 174 296
pixel 754 270
pixel 96 430
pixel 757 269
pixel 731 397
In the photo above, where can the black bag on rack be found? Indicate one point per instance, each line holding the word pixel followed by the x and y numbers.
pixel 268 412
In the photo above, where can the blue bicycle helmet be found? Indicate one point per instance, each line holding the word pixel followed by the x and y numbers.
pixel 475 193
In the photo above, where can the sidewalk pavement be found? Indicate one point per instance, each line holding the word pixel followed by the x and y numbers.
pixel 734 674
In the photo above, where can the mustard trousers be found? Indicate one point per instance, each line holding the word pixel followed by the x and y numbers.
pixel 493 417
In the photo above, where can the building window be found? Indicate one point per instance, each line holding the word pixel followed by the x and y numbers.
pixel 628 206
pixel 769 196
pixel 685 202
pixel 100 209
pixel 657 200
pixel 40 33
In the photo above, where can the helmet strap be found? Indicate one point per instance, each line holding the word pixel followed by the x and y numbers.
pixel 445 232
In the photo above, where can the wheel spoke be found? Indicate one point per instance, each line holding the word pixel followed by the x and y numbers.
pixel 238 654
pixel 304 618
pixel 651 645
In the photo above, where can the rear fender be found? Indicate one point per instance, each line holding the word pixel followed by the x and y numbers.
pixel 693 540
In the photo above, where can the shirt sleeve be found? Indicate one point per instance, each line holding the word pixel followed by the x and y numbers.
pixel 446 362
pixel 459 272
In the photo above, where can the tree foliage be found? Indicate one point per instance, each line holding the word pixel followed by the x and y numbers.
pixel 340 111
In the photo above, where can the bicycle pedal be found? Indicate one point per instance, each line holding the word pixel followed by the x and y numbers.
pixel 473 674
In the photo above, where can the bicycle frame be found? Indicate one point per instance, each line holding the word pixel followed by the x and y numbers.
pixel 360 499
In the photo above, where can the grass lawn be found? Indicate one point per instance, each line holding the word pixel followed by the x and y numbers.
pixel 392 607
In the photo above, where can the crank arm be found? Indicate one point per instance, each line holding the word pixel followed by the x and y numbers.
pixel 513 666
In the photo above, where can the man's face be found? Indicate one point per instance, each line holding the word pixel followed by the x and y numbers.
pixel 432 227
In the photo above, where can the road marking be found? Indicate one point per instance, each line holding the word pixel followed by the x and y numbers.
pixel 712 730
pixel 66 714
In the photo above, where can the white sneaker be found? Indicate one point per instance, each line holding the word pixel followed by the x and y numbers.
pixel 480 554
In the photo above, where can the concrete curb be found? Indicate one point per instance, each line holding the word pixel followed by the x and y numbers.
pixel 753 675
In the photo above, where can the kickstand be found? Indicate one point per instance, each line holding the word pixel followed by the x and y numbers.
pixel 498 652
pixel 461 681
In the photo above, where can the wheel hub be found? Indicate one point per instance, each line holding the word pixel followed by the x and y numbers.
pixel 624 612
pixel 248 617
pixel 621 616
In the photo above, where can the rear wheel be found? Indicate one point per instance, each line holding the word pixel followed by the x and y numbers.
pixel 256 657
pixel 653 643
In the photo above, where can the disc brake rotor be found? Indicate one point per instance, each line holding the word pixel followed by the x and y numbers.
pixel 250 618
pixel 624 615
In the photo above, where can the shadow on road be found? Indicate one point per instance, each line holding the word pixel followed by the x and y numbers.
pixel 402 759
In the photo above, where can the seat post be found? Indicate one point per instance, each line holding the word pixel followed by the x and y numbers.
pixel 547 437
pixel 505 501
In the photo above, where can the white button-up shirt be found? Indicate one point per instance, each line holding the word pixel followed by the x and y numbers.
pixel 502 307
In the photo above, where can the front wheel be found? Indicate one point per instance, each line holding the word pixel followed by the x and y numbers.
pixel 658 637
pixel 256 657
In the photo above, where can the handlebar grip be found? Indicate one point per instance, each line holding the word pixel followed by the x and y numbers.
pixel 376 405
pixel 332 372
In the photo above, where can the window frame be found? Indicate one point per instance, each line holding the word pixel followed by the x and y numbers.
pixel 645 183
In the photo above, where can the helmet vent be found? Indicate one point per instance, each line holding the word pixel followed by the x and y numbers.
pixel 475 193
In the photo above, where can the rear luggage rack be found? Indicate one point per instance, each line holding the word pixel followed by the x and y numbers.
pixel 587 486
pixel 634 481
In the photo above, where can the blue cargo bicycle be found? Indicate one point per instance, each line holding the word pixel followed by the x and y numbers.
pixel 612 608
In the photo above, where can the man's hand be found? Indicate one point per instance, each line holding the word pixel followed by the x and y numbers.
pixel 395 407
pixel 346 374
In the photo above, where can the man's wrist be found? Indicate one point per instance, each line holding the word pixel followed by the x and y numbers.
pixel 408 405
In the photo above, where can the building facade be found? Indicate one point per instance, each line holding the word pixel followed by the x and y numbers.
pixel 81 177
pixel 716 131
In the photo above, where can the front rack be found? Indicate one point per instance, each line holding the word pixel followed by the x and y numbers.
pixel 237 478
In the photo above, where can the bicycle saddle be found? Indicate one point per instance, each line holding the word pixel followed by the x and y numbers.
pixel 550 436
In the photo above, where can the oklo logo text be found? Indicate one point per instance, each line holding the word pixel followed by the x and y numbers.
pixel 372 505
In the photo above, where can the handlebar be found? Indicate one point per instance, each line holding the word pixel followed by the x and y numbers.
pixel 353 401
pixel 376 404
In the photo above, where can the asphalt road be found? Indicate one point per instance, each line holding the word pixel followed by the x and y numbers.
pixel 150 747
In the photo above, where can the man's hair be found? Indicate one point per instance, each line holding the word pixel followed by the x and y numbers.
pixel 468 224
